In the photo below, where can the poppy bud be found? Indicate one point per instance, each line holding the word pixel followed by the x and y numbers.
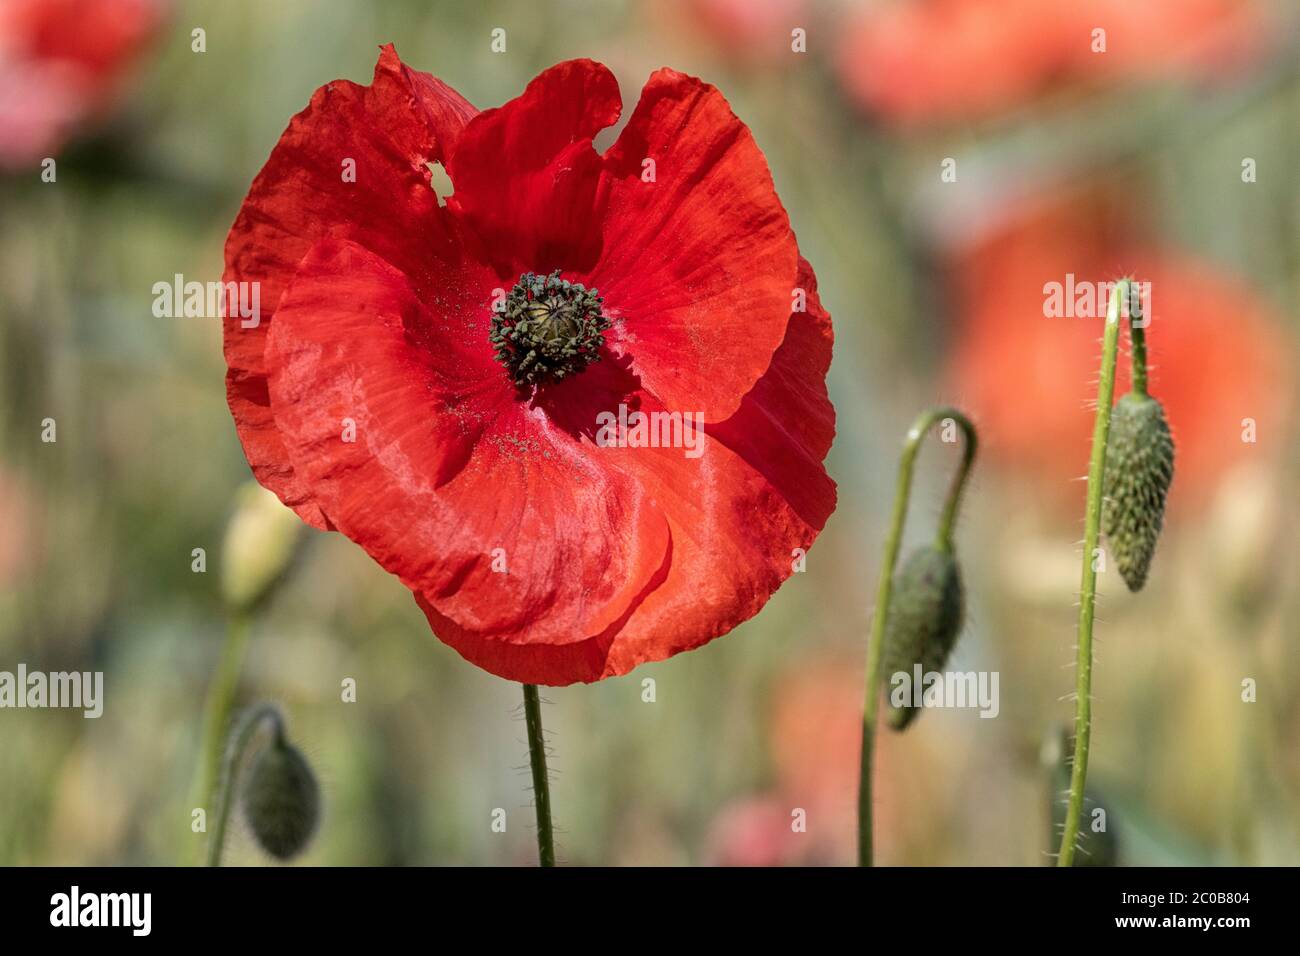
pixel 924 620
pixel 259 547
pixel 1139 468
pixel 282 800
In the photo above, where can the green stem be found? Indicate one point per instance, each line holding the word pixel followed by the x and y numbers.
pixel 884 593
pixel 1137 334
pixel 943 537
pixel 541 781
pixel 1091 534
pixel 239 739
pixel 220 702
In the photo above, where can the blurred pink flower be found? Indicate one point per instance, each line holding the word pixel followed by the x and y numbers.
pixel 61 65
pixel 754 831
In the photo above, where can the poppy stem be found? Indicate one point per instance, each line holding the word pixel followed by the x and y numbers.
pixel 943 537
pixel 884 591
pixel 541 780
pixel 239 739
pixel 1091 534
pixel 220 701
pixel 1138 340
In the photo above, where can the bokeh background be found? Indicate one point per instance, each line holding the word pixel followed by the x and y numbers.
pixel 1173 156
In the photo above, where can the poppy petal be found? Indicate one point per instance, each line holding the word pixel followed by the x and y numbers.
pixel 758 492
pixel 526 175
pixel 699 263
pixel 786 424
pixel 383 134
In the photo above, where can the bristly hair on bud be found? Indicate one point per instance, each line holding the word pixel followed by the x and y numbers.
pixel 1139 469
pixel 924 621
pixel 1139 461
pixel 282 800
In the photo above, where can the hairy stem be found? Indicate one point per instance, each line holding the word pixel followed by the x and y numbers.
pixel 884 593
pixel 541 781
pixel 1091 534
pixel 220 701
pixel 1132 303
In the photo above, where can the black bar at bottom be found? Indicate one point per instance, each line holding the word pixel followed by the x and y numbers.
pixel 499 907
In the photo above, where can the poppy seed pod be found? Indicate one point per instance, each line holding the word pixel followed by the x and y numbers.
pixel 282 800
pixel 924 621
pixel 1139 468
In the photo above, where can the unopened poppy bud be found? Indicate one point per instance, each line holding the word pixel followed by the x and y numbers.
pixel 924 621
pixel 282 800
pixel 1139 468
pixel 259 547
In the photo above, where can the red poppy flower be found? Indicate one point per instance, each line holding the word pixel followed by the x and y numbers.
pixel 536 550
pixel 61 62
pixel 943 60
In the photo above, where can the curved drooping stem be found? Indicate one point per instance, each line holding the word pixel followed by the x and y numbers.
pixel 947 523
pixel 884 590
pixel 541 780
pixel 240 738
pixel 1121 302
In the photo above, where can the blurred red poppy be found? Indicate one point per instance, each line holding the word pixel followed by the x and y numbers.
pixel 816 734
pixel 1220 359
pixel 929 61
pixel 370 395
pixel 753 32
pixel 61 65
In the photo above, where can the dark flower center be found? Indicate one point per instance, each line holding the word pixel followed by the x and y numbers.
pixel 547 329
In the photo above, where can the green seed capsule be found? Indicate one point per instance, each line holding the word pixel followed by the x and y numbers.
pixel 1139 468
pixel 282 800
pixel 925 618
